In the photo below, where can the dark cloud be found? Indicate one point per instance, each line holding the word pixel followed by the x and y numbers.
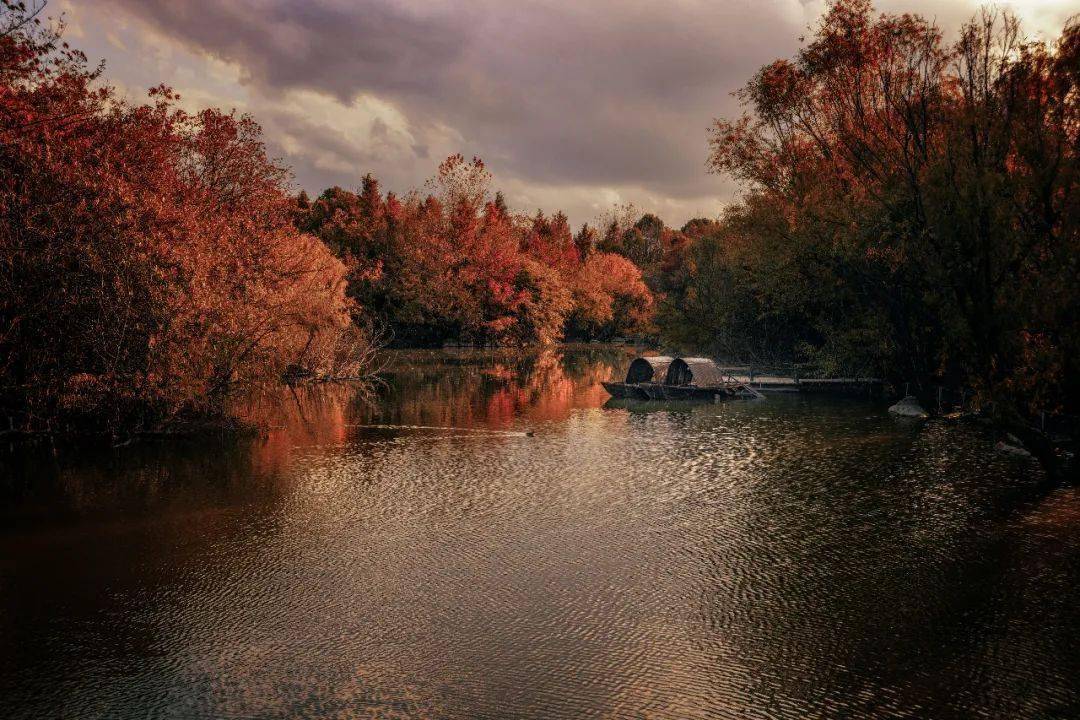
pixel 613 93
pixel 574 94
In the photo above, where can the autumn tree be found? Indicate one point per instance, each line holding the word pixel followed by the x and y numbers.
pixel 922 197
pixel 149 264
pixel 454 266
pixel 458 181
pixel 585 241
pixel 610 299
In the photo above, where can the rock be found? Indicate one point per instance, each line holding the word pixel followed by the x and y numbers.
pixel 909 407
pixel 1010 449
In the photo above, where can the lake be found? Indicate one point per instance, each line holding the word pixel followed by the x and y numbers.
pixel 801 557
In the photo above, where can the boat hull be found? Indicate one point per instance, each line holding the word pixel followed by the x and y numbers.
pixel 659 391
pixel 692 392
pixel 624 391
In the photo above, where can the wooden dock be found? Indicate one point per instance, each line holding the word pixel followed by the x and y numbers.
pixel 778 383
pixel 703 379
pixel 777 380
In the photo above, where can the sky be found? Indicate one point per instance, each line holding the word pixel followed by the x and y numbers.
pixel 573 104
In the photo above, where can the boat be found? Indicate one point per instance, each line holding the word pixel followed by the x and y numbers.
pixel 623 390
pixel 648 369
pixel 695 379
pixel 698 378
pixel 693 392
pixel 642 373
pixel 665 378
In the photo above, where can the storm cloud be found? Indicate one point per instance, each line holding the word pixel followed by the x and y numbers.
pixel 600 99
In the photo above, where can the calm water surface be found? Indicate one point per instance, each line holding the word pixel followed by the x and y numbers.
pixel 796 558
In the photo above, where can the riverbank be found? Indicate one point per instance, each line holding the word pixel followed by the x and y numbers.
pixel 259 413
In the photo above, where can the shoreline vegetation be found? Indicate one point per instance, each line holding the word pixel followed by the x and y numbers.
pixel 908 211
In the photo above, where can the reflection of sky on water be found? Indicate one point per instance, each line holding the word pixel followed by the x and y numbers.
pixel 793 558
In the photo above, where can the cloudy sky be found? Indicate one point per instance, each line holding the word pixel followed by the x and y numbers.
pixel 573 104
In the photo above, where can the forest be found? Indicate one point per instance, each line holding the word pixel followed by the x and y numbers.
pixel 908 210
pixel 457 265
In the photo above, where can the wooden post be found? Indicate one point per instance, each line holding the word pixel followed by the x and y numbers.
pixel 939 399
pixel 906 389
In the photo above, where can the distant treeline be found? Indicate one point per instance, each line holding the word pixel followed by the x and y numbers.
pixel 456 265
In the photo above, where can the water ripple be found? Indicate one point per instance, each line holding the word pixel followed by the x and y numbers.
pixel 796 558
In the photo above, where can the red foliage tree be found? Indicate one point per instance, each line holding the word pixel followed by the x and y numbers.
pixel 148 259
pixel 454 266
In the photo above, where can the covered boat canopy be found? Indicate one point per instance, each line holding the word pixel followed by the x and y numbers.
pixel 701 372
pixel 648 369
